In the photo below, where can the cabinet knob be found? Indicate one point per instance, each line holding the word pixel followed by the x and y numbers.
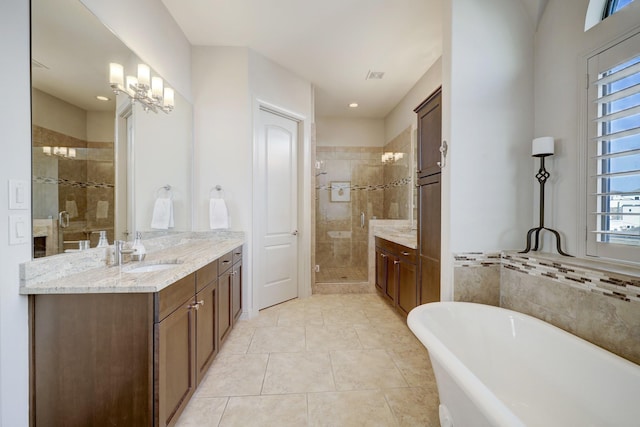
pixel 395 261
pixel 234 272
pixel 383 255
pixel 405 253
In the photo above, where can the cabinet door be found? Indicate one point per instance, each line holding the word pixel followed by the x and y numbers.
pixel 236 290
pixel 392 278
pixel 224 306
pixel 175 363
pixel 206 332
pixel 429 239
pixel 429 134
pixel 381 271
pixel 407 286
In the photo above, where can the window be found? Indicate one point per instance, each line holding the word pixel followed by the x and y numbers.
pixel 613 181
pixel 612 6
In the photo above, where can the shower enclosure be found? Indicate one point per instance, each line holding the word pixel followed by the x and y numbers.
pixel 353 186
pixel 73 181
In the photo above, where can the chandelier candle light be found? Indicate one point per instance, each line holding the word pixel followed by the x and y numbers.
pixel 147 90
pixel 542 147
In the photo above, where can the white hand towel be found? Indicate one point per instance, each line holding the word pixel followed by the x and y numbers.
pixel 102 209
pixel 218 214
pixel 162 214
pixel 72 207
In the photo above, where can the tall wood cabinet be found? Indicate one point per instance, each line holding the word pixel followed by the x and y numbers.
pixel 429 196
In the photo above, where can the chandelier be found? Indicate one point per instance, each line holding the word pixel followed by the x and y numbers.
pixel 148 91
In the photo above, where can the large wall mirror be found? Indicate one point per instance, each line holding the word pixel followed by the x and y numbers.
pixel 97 165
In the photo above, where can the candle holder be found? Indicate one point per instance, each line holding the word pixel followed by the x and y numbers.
pixel 542 147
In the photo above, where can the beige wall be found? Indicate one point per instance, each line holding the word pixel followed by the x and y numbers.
pixel 345 132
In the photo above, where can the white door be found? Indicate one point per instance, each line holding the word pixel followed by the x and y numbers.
pixel 277 209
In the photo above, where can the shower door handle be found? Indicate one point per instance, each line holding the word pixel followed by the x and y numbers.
pixel 63 219
pixel 361 219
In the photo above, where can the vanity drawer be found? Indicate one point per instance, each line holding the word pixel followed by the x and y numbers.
pixel 206 275
pixel 174 296
pixel 224 262
pixel 387 245
pixel 407 254
pixel 237 254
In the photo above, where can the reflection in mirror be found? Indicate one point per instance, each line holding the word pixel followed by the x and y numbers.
pixel 72 130
pixel 83 151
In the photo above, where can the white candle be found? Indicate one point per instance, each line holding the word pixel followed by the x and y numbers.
pixel 116 74
pixel 542 146
pixel 156 87
pixel 144 74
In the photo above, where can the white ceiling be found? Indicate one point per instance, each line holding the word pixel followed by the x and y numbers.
pixel 75 49
pixel 331 43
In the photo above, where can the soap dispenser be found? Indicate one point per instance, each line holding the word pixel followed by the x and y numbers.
pixel 103 242
pixel 138 247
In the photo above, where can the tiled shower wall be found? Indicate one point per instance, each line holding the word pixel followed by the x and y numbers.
pixel 78 185
pixel 380 190
pixel 340 240
pixel 598 306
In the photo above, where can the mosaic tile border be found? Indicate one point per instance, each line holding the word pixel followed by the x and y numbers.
pixel 355 187
pixel 69 183
pixel 612 285
pixel 619 286
pixel 477 259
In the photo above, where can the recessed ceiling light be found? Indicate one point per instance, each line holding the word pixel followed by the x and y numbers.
pixel 353 105
pixel 102 98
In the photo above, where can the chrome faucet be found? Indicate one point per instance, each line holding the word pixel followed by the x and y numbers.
pixel 120 251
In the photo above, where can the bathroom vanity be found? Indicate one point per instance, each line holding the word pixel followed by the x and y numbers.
pixel 113 347
pixel 395 277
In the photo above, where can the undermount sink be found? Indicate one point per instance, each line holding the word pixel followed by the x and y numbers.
pixel 151 267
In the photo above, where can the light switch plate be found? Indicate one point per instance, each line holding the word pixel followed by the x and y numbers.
pixel 18 229
pixel 18 194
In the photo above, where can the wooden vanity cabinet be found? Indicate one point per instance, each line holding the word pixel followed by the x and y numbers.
pixel 396 274
pixel 230 292
pixel 175 344
pixel 236 285
pixel 128 359
pixel 206 318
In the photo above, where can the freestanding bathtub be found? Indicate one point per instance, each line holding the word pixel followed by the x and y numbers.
pixel 497 367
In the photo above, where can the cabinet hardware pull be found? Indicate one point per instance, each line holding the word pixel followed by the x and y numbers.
pixel 405 253
pixel 383 255
pixel 395 261
pixel 234 273
pixel 201 302
pixel 226 261
pixel 190 306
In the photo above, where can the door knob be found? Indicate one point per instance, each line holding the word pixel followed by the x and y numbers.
pixel 294 233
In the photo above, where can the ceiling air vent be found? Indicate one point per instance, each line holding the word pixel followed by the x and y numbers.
pixel 375 75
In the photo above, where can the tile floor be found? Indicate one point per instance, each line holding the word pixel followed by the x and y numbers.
pixel 328 360
pixel 342 274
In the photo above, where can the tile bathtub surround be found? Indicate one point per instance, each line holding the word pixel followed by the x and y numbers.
pixel 327 360
pixel 579 296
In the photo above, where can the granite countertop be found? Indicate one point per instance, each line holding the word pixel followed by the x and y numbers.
pixel 189 254
pixel 404 236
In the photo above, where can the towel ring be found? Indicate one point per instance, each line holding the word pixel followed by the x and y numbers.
pixel 217 188
pixel 167 190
